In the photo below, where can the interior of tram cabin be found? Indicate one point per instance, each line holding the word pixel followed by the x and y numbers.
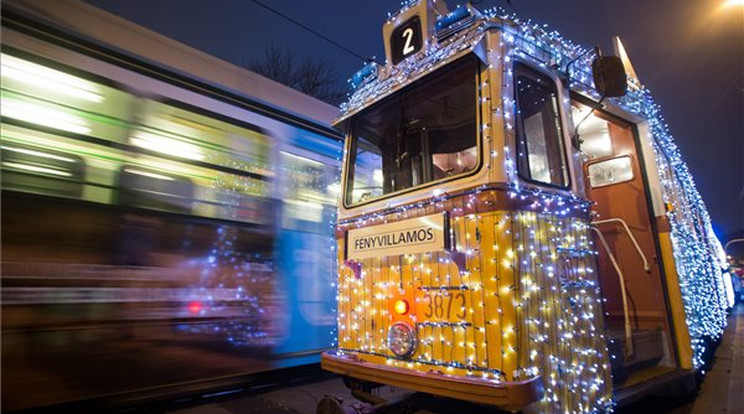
pixel 426 133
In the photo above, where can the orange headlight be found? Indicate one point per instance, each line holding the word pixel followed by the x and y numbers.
pixel 401 307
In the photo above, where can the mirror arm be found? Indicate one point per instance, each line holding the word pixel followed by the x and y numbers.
pixel 576 140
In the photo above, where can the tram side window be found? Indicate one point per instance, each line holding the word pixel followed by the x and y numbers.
pixel 182 133
pixel 309 191
pixel 539 137
pixel 226 164
pixel 42 170
pixel 596 141
pixel 146 188
pixel 36 95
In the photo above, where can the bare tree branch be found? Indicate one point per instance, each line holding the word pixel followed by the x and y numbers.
pixel 313 76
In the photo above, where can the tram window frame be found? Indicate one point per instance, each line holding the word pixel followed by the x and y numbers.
pixel 324 196
pixel 350 166
pixel 524 70
pixel 35 167
pixel 151 189
pixel 594 163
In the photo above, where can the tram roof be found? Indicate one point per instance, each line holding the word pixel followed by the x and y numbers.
pixel 528 39
pixel 84 21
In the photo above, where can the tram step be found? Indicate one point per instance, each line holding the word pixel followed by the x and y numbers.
pixel 648 350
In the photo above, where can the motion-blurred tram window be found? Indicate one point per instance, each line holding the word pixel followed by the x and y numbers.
pixel 149 189
pixel 310 189
pixel 227 164
pixel 52 115
pixel 183 133
pixel 541 155
pixel 43 96
pixel 42 171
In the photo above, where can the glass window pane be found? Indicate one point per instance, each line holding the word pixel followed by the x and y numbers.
pixel 594 132
pixel 367 174
pixel 39 95
pixel 309 191
pixel 424 133
pixel 612 171
pixel 539 135
pixel 145 188
pixel 41 170
pixel 215 157
pixel 172 185
pixel 192 136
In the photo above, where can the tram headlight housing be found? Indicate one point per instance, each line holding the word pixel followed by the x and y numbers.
pixel 401 307
pixel 402 340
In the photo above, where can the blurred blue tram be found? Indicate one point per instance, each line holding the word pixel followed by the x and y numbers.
pixel 166 216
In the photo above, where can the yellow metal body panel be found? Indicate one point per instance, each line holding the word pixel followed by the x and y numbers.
pixel 681 332
pixel 533 306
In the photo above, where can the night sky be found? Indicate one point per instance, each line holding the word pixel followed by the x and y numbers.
pixel 689 53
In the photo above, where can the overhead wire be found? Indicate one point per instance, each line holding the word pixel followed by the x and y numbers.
pixel 316 33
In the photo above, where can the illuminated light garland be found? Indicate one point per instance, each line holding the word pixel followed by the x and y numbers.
pixel 547 246
pixel 530 250
pixel 698 268
pixel 245 276
pixel 694 244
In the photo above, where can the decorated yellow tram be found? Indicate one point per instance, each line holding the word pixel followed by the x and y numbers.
pixel 516 226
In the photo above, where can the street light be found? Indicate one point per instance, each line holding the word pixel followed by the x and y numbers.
pixel 730 242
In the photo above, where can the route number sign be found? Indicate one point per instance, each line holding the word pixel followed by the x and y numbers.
pixel 406 39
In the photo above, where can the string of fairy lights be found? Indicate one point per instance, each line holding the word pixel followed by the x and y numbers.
pixel 695 246
pixel 246 275
pixel 523 276
pixel 534 305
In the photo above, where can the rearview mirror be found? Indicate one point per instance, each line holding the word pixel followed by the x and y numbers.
pixel 609 76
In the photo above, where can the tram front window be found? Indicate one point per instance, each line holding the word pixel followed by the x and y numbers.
pixel 424 133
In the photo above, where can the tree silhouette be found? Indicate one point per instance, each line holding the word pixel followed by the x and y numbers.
pixel 312 76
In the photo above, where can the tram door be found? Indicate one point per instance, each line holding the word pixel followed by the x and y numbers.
pixel 636 320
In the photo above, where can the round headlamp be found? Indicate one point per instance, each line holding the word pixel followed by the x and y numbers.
pixel 402 340
pixel 401 307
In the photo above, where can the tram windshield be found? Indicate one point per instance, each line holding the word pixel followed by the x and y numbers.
pixel 424 133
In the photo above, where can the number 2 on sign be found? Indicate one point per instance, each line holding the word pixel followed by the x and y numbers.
pixel 408 47
pixel 440 306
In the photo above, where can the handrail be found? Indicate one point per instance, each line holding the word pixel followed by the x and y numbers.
pixel 646 266
pixel 626 314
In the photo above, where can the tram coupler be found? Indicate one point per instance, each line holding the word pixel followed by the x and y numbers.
pixel 334 405
pixel 368 404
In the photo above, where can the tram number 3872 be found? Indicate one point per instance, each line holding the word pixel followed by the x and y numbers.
pixel 444 306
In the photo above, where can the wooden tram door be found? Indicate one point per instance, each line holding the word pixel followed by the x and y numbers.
pixel 615 183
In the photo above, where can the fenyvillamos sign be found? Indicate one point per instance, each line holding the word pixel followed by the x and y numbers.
pixel 412 236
